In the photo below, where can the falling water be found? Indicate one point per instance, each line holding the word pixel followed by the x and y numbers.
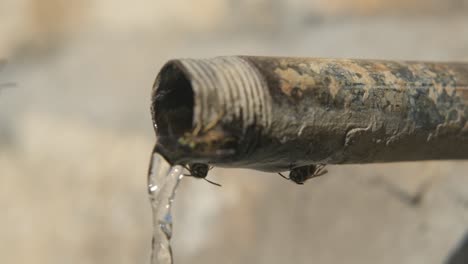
pixel 163 180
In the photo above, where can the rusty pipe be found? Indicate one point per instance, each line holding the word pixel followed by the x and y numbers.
pixel 271 113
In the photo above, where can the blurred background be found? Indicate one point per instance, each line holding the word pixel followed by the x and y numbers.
pixel 76 135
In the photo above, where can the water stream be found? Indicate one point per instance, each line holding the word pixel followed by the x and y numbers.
pixel 163 180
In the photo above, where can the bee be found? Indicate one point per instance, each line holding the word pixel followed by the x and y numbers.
pixel 205 139
pixel 301 174
pixel 200 171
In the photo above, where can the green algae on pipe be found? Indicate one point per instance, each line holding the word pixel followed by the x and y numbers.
pixel 273 113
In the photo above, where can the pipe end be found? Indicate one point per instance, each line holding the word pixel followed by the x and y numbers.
pixel 203 109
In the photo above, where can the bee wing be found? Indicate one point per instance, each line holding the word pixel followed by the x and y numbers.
pixel 320 172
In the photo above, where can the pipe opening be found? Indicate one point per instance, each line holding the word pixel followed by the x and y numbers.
pixel 173 102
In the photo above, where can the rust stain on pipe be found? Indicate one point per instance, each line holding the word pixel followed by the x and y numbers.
pixel 277 113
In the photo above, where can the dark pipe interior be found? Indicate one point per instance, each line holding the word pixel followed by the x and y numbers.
pixel 173 103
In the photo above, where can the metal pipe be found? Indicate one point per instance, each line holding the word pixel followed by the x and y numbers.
pixel 273 114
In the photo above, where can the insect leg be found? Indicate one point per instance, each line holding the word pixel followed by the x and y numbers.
pixel 284 176
pixel 214 122
pixel 214 183
pixel 197 129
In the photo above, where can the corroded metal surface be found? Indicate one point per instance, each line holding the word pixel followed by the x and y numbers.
pixel 329 111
